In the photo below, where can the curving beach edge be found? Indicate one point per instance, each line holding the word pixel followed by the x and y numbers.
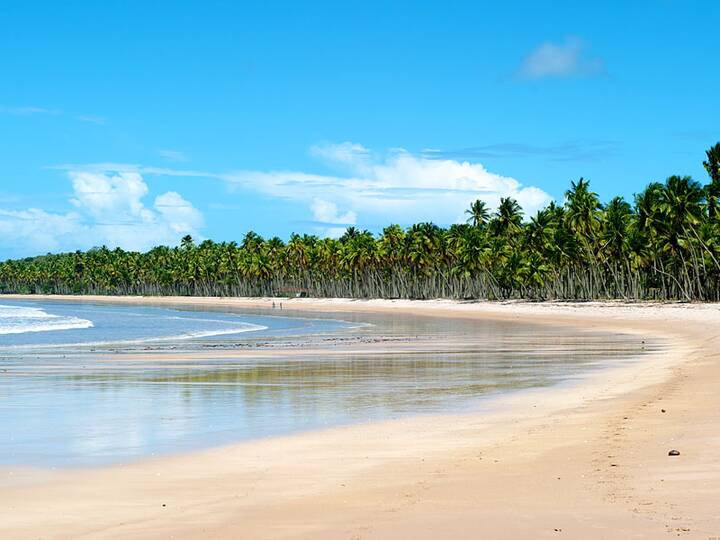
pixel 579 461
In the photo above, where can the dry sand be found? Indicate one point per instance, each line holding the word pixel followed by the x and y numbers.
pixel 582 461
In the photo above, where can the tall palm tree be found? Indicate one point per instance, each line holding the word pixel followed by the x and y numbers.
pixel 478 213
pixel 614 238
pixel 712 165
pixel 712 190
pixel 666 245
pixel 252 242
pixel 187 242
pixel 582 209
pixel 508 217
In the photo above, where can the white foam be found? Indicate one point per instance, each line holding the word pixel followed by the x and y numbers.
pixel 246 327
pixel 22 319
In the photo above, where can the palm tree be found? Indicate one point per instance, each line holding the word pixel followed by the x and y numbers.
pixel 479 215
pixel 508 217
pixel 712 190
pixel 582 209
pixel 252 242
pixel 187 242
pixel 712 165
pixel 614 230
pixel 540 231
pixel 666 245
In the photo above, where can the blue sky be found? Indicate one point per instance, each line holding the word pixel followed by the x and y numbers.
pixel 133 123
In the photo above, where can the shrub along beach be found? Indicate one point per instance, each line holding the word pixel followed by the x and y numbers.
pixel 665 246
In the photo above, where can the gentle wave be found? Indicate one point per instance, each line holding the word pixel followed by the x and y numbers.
pixel 247 327
pixel 21 320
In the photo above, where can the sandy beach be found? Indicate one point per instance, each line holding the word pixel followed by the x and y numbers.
pixel 582 461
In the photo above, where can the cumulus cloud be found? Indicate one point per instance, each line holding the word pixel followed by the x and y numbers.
pixel 560 60
pixel 179 215
pixel 328 219
pixel 400 187
pixel 117 195
pixel 109 209
pixel 363 187
pixel 33 231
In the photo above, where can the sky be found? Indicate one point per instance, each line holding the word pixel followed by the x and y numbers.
pixel 132 124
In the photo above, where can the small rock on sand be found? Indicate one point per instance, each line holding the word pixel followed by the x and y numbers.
pixel 673 453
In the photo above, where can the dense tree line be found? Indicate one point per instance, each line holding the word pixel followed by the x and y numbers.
pixel 665 245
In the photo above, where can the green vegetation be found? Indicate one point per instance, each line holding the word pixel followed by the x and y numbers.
pixel 664 246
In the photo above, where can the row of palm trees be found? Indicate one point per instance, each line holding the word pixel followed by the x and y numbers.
pixel 664 246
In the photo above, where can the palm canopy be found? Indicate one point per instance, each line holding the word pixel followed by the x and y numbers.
pixel 712 190
pixel 508 217
pixel 478 213
pixel 582 208
pixel 663 245
pixel 712 164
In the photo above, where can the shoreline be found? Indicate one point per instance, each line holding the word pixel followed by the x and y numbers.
pixel 590 460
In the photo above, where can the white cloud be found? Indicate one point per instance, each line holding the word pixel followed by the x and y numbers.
pixel 92 119
pixel 109 210
pixel 178 214
pixel 34 231
pixel 327 212
pixel 347 154
pixel 560 60
pixel 401 187
pixel 331 222
pixel 27 110
pixel 173 155
pixel 369 189
pixel 104 195
pixel 103 167
pixel 32 110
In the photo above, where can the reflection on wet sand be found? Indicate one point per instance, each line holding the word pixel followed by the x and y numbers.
pixel 108 406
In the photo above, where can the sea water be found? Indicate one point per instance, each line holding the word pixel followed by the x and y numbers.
pixel 88 384
pixel 71 324
pixel 24 319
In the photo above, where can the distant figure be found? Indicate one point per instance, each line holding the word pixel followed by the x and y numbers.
pixel 273 305
pixel 280 306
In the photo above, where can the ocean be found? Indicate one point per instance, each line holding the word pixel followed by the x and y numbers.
pixel 85 384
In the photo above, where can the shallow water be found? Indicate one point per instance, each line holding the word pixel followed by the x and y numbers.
pixel 38 325
pixel 66 405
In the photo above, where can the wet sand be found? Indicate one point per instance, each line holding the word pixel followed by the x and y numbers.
pixel 581 461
